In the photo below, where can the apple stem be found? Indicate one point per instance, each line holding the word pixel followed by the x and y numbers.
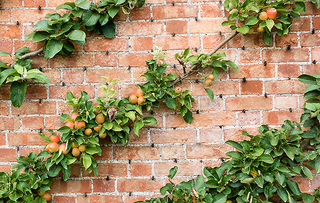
pixel 198 66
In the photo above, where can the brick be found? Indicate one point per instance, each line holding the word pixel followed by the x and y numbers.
pixel 178 42
pixel 99 198
pixel 235 134
pixel 249 118
pixel 4 108
pixel 174 121
pixel 218 87
pixel 103 59
pixel 71 186
pixel 174 136
pixel 6 45
pixel 278 117
pixel 310 69
pixel 9 123
pixel 39 61
pixel 309 40
pixel 248 103
pixel 73 76
pixel 133 59
pixel 55 3
pixel 213 119
pixel 79 60
pixel 2 139
pixel 207 151
pixel 300 24
pixel 9 155
pixel 212 41
pixel 316 23
pixel 210 10
pixel 32 123
pixel 45 107
pixel 286 40
pixel 10 31
pixel 207 105
pixel 36 92
pixel 11 4
pixel 75 171
pixel 5 15
pixel 142 13
pixel 172 152
pixel 133 199
pixel 24 151
pixel 105 155
pixel 5 92
pixel 110 169
pixel 188 168
pixel 141 43
pixel 136 153
pixel 249 56
pixel 139 185
pixel 284 55
pixel 176 26
pixel 210 135
pixel 30 15
pixel 310 9
pixel 208 26
pixel 25 138
pixel 94 75
pixel 53 123
pixel 178 11
pixel 140 28
pixel 315 54
pixel 289 70
pixel 253 40
pixel 113 45
pixel 251 87
pixel 34 3
pixel 60 92
pixel 6 168
pixel 103 185
pixel 286 102
pixel 284 87
pixel 154 1
pixel 140 169
pixel 62 199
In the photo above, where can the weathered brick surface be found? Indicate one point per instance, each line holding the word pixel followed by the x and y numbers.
pixel 191 147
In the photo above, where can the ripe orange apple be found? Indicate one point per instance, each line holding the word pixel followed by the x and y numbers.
pixel 73 116
pixel 82 148
pixel 100 118
pixel 208 83
pixel 139 93
pixel 178 90
pixel 263 15
pixel 47 197
pixel 260 29
pixel 103 135
pixel 55 138
pixel 75 152
pixel 141 100
pixel 63 148
pixel 211 77
pixel 272 13
pixel 88 131
pixel 133 99
pixel 70 124
pixel 79 124
pixel 97 128
pixel 53 147
pixel 47 148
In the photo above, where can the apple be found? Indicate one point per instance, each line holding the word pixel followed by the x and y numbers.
pixel 53 147
pixel 139 93
pixel 73 116
pixel 55 138
pixel 79 124
pixel 41 193
pixel 75 152
pixel 250 31
pixel 82 148
pixel 263 15
pixel 74 145
pixel 103 135
pixel 47 197
pixel 272 13
pixel 63 148
pixel 211 77
pixel 178 90
pixel 260 29
pixel 88 131
pixel 208 82
pixel 97 128
pixel 141 100
pixel 133 99
pixel 70 124
pixel 100 118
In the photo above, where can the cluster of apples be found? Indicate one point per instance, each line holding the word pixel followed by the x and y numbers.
pixel 77 124
pixel 100 118
pixel 209 80
pixel 45 195
pixel 270 14
pixel 137 97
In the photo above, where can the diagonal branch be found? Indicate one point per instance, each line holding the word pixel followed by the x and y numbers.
pixel 198 67
pixel 34 53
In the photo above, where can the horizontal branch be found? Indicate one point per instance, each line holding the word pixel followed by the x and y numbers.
pixel 34 53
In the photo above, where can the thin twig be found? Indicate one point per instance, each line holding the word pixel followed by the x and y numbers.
pixel 197 67
pixel 34 53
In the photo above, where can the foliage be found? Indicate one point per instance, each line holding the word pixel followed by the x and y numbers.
pixel 247 15
pixel 18 76
pixel 59 32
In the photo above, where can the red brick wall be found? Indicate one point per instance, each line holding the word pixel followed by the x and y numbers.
pixel 193 146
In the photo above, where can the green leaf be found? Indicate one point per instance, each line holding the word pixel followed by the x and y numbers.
pixel 252 20
pixel 131 115
pixel 37 76
pixel 307 172
pixel 90 18
pixel 172 172
pixel 113 10
pixel 70 96
pixel 188 116
pixel 289 151
pixel 267 38
pixel 4 74
pixel 209 93
pixel 311 88
pixel 118 2
pixel 266 158
pixel 317 164
pixel 64 129
pixel 244 29
pixel 149 120
pixel 219 198
pixel 165 188
pixel 233 65
pixel 52 48
pixel 43 25
pixel 17 92
pixel 78 36
pixel 137 126
pixel 40 36
pixel 259 180
pixel 2 53
pixel 86 160
pixel 107 125
pixel 104 19
pixel 294 187
pixel 235 154
pixel 280 177
pixel 282 194
pixel 308 79
pixel 83 4
pixel 171 103
pixel 108 30
pixel 270 24
pixel 307 198
pixel 199 183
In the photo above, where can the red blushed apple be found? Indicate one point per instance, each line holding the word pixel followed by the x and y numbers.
pixel 53 147
pixel 63 148
pixel 272 13
pixel 70 124
pixel 263 15
pixel 79 124
pixel 73 116
pixel 55 138
pixel 97 128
